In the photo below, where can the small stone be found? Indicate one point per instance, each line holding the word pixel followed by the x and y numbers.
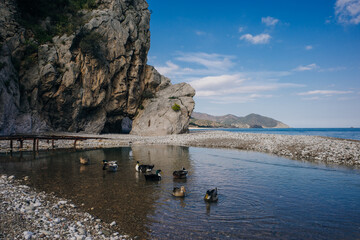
pixel 47 233
pixel 81 231
pixel 28 234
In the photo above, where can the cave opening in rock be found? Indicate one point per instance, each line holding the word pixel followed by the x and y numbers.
pixel 123 126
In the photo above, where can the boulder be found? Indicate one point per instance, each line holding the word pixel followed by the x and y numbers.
pixel 168 112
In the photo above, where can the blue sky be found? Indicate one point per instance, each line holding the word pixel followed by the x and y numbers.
pixel 295 61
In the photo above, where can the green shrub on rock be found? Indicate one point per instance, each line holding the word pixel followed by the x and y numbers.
pixel 176 107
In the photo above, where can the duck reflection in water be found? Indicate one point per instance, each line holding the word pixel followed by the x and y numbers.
pixel 153 177
pixel 182 202
pixel 82 168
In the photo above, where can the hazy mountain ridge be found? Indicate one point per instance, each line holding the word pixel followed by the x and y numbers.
pixel 232 121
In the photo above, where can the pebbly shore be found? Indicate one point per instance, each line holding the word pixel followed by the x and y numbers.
pixel 28 214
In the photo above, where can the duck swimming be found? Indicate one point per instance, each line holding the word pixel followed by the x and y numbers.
pixel 152 176
pixel 211 195
pixel 111 166
pixel 84 161
pixel 179 192
pixel 180 174
pixel 143 168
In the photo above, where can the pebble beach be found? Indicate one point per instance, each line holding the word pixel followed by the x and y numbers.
pixel 300 147
pixel 28 214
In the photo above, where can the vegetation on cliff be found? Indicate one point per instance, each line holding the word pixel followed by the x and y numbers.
pixel 47 19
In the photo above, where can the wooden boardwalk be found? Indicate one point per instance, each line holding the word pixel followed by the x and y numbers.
pixel 36 138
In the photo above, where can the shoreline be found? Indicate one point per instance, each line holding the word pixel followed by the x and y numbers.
pixel 298 147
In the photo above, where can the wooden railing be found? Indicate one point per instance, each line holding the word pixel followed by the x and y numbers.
pixel 36 138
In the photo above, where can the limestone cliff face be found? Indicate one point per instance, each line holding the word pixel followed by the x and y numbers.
pixel 168 112
pixel 67 87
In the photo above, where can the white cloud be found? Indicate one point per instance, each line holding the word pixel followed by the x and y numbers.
pixel 308 47
pixel 269 21
pixel 312 98
pixel 306 68
pixel 333 69
pixel 214 78
pixel 168 69
pixel 201 64
pixel 235 85
pixel 238 99
pixel 262 38
pixel 200 33
pixel 210 61
pixel 323 92
pixel 348 11
pixel 216 82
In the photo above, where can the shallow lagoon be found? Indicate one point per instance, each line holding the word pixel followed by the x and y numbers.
pixel 260 196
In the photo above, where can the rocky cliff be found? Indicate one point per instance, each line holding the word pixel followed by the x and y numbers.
pixel 94 79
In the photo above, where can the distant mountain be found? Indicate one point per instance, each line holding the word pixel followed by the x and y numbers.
pixel 232 121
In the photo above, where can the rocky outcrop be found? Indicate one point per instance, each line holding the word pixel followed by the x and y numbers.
pixel 168 111
pixel 93 80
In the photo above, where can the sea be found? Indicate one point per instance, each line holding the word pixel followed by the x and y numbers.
pixel 344 133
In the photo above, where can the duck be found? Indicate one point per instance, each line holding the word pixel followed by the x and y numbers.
pixel 110 166
pixel 105 163
pixel 143 168
pixel 153 177
pixel 179 192
pixel 84 161
pixel 180 174
pixel 211 195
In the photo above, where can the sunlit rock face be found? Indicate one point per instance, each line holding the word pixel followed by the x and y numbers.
pixel 168 112
pixel 69 86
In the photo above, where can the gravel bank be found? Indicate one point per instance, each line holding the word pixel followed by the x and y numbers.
pixel 310 148
pixel 27 214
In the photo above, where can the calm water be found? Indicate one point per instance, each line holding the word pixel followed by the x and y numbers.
pixel 346 133
pixel 260 196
